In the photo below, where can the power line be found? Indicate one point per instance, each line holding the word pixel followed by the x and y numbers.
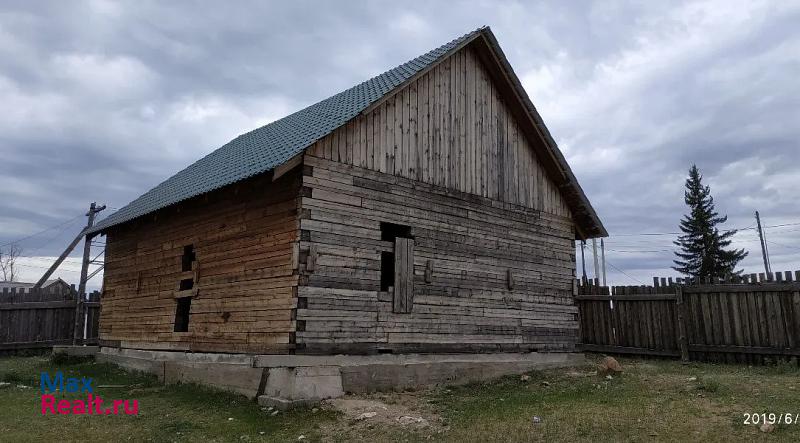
pixel 42 231
pixel 781 244
pixel 625 273
pixel 627 251
pixel 45 267
pixel 681 233
pixel 51 239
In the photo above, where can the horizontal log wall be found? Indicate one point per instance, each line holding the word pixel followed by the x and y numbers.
pixel 465 249
pixel 245 240
pixel 450 128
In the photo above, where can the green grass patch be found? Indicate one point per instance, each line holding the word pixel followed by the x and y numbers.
pixel 652 400
pixel 166 413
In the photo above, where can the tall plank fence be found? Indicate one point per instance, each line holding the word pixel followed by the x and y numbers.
pixel 746 319
pixel 41 319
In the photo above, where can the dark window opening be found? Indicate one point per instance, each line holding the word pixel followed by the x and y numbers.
pixel 390 231
pixel 387 270
pixel 186 284
pixel 188 257
pixel 182 314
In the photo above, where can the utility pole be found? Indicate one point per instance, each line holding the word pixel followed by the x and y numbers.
pixel 87 245
pixel 596 263
pixel 583 260
pixel 603 255
pixel 764 251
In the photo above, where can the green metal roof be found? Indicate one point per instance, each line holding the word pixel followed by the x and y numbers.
pixel 270 146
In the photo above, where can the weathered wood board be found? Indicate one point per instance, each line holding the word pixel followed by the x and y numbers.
pixel 244 239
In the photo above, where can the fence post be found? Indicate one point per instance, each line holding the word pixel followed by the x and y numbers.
pixel 77 333
pixel 683 339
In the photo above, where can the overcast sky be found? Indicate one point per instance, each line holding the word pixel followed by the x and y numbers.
pixel 100 101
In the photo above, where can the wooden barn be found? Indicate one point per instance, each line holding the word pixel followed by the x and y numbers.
pixel 426 210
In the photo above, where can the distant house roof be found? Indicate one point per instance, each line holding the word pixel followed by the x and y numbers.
pixel 23 285
pixel 276 143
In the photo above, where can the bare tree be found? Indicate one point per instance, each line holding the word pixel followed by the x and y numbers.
pixel 8 258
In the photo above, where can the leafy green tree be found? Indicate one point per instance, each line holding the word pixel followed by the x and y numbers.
pixel 704 249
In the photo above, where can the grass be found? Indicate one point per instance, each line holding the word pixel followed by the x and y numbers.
pixel 652 400
pixel 166 413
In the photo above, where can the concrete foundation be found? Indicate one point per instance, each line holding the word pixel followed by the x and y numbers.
pixel 285 381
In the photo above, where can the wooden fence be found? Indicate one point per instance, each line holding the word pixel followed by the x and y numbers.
pixel 745 320
pixel 39 319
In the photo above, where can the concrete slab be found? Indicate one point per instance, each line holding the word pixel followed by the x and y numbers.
pixel 286 381
pixel 145 365
pixel 242 379
pixel 304 383
pixel 363 378
pixel 283 360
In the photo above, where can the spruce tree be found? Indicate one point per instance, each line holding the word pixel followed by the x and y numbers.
pixel 704 252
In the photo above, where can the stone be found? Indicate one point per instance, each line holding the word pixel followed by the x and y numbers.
pixel 767 427
pixel 408 420
pixel 609 365
pixel 366 415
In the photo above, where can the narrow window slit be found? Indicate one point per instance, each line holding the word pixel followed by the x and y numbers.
pixel 387 270
pixel 182 309
pixel 186 284
pixel 188 257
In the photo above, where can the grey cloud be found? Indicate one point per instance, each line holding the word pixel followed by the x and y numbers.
pixel 102 100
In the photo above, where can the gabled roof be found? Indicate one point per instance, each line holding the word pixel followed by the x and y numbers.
pixel 276 143
pixel 18 285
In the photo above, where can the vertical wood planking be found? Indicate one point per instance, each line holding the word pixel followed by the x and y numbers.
pixel 403 275
pixel 451 128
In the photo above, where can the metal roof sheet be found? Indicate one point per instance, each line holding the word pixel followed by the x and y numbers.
pixel 270 146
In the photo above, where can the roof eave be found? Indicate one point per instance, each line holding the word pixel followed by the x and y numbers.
pixel 588 222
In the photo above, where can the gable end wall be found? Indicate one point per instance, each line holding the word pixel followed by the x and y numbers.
pixel 493 239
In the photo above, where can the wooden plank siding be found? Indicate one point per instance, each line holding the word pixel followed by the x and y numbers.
pixel 451 128
pixel 244 239
pixel 43 318
pixel 733 322
pixel 464 303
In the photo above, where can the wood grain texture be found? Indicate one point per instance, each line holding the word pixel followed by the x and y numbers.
pixel 466 245
pixel 730 323
pixel 244 238
pixel 451 128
